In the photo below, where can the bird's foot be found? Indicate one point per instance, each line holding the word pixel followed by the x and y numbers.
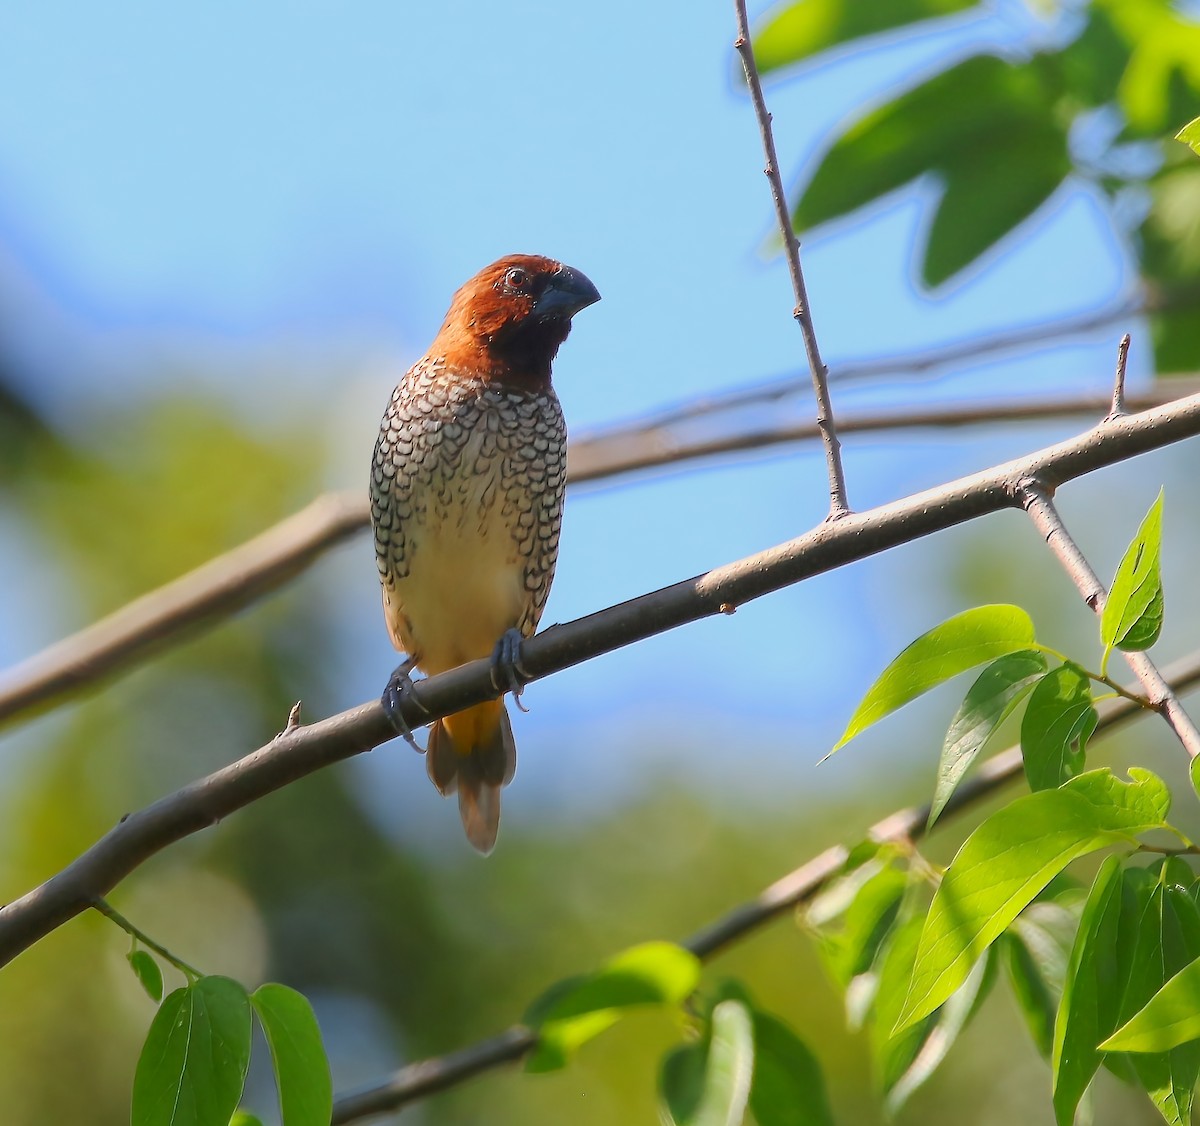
pixel 508 674
pixel 399 691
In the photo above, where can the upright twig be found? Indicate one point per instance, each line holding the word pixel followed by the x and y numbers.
pixel 1118 397
pixel 838 505
pixel 800 886
pixel 1037 502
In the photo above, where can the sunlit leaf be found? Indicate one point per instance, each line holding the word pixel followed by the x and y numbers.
pixel 988 703
pixel 1170 1017
pixel 905 1060
pixel 1133 614
pixel 1190 135
pixel 572 1012
pixel 1168 939
pixel 302 1073
pixel 1088 1011
pixel 1058 722
pixel 148 973
pixel 958 644
pixel 193 1065
pixel 242 1118
pixel 801 30
pixel 1009 859
pixel 1161 84
pixel 708 1083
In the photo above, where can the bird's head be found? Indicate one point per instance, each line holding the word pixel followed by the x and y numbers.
pixel 507 323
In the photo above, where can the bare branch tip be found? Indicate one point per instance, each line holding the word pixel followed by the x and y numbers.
pixel 1118 399
pixel 293 720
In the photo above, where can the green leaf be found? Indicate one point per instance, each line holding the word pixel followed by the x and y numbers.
pixel 1088 1011
pixel 193 1065
pixel 1190 135
pixel 788 1087
pixel 1058 722
pixel 574 1011
pixel 1009 859
pixel 993 182
pixel 1133 614
pixel 1094 62
pixel 958 644
pixel 923 131
pixel 301 1067
pixel 148 973
pixel 1161 84
pixel 906 1060
pixel 1168 938
pixel 1037 950
pixel 241 1118
pixel 802 30
pixel 988 703
pixel 708 1084
pixel 1169 1018
pixel 866 918
pixel 1169 262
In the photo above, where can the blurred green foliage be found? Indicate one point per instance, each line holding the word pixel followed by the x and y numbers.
pixel 408 953
pixel 1094 95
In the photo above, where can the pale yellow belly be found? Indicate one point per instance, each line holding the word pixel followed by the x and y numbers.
pixel 464 587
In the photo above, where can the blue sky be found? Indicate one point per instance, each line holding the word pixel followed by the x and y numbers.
pixel 303 185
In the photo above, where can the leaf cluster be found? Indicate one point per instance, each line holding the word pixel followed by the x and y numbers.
pixel 1091 97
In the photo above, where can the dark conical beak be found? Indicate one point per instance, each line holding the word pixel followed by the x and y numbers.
pixel 567 292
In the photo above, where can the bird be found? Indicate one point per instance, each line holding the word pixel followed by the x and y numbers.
pixel 467 486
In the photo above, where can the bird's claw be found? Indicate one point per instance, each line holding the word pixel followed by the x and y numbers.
pixel 396 695
pixel 508 674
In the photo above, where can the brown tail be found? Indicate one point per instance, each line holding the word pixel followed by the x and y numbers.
pixel 473 752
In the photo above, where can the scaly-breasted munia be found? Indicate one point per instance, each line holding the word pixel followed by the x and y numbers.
pixel 466 500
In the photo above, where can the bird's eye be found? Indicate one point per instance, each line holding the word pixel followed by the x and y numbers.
pixel 515 278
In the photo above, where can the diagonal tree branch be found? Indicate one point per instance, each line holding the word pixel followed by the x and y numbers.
pixel 419 1080
pixel 304 749
pixel 236 579
pixel 215 589
pixel 838 505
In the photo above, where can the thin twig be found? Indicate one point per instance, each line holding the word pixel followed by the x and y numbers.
pixel 608 455
pixel 833 544
pixel 419 1080
pixel 971 349
pixel 1118 397
pixel 1037 502
pixel 185 606
pixel 111 913
pixel 838 505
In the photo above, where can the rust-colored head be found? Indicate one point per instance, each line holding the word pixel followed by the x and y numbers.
pixel 508 322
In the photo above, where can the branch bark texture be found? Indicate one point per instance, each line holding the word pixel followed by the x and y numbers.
pixel 238 578
pixel 1037 502
pixel 308 748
